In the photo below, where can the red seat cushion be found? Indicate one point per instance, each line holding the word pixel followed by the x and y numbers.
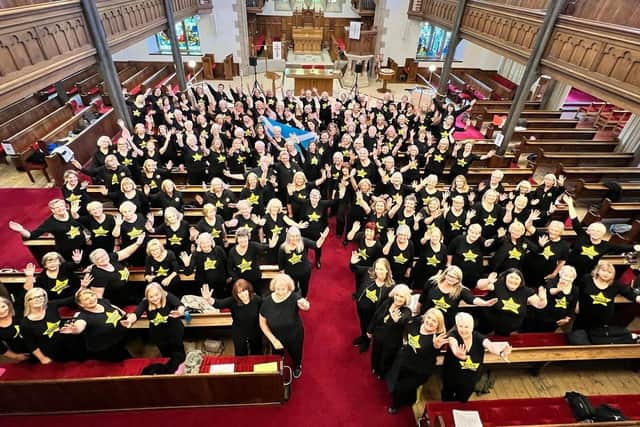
pixel 93 90
pixel 135 90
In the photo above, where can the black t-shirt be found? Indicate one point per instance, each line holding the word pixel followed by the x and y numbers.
pixel 68 234
pixel 467 256
pixel 114 282
pixel 559 305
pixel 433 297
pixel 597 306
pixel 210 267
pixel 178 240
pixel 511 309
pixel 245 266
pixel 64 285
pixel 162 327
pixel 103 330
pixel 163 268
pixel 464 372
pixel 216 230
pixel 245 316
pixel 418 354
pixel 101 232
pixel 401 260
pixel 282 317
pixel 537 265
pixel 11 338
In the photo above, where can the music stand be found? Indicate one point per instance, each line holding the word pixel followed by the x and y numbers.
pixel 358 69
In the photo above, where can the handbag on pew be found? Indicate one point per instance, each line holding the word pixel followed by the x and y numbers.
pixel 611 335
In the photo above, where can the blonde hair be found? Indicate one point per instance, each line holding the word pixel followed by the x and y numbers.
pixel 209 208
pixel 282 278
pixel 604 265
pixel 49 256
pixel 452 270
pixel 166 183
pixel 81 292
pixel 31 293
pixel 568 271
pixel 403 291
pixel 153 244
pixel 274 202
pixel 163 293
pixel 290 233
pixel 388 281
pixel 127 180
pixel 441 328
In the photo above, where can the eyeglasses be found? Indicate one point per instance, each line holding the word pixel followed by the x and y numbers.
pixel 36 297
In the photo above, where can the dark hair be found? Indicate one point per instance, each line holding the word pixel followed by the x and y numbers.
pixel 370 225
pixel 502 278
pixel 239 286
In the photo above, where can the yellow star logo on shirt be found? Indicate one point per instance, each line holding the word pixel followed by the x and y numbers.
pixel 397 198
pixel 362 253
pixel 219 204
pixel 134 233
pixel 73 232
pixel 313 217
pixel 314 161
pixel 400 259
pixel 159 319
pixel 17 329
pixel 175 240
pixel 432 261
pixel 127 161
pixel 444 134
pixel 113 317
pixel 321 151
pixel 196 157
pixel 295 258
pixel 210 264
pixel 241 159
pixel 561 303
pixel 124 273
pixel 515 254
pixel 245 265
pixel 247 227
pixel 253 199
pixel 441 304
pixel 490 220
pixel 362 173
pixel 100 232
pixel 74 198
pixel 215 233
pixel 60 286
pixel 461 162
pixel 221 158
pixel 510 305
pixel 414 342
pixel 438 158
pixel 547 252
pixel 456 225
pixel 162 271
pixel 468 365
pixel 153 185
pixel 600 299
pixel 52 328
pixel 402 222
pixel 276 230
pixel 379 226
pixel 114 179
pixel 470 256
pixel 589 251
pixel 371 295
pixel 136 113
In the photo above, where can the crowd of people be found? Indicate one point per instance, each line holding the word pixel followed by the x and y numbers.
pixel 394 176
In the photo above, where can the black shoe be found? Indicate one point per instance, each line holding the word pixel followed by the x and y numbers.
pixel 358 341
pixel 364 346
pixel 391 410
pixel 318 265
pixel 297 372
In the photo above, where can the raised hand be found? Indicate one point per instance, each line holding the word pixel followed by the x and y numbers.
pixel 30 269
pixel 76 256
pixel 355 257
pixel 207 294
pixel 86 280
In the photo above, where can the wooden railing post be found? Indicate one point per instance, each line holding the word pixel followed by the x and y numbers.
pixel 531 73
pixel 453 43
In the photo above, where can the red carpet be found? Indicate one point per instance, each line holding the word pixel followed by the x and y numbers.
pixel 336 388
pixel 28 207
pixel 469 133
pixel 576 95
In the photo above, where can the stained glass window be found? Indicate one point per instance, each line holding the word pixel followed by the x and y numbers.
pixel 188 37
pixel 433 42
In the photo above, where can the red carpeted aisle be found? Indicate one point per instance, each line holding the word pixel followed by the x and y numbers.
pixel 336 388
pixel 29 207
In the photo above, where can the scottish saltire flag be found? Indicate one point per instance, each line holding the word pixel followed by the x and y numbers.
pixel 304 136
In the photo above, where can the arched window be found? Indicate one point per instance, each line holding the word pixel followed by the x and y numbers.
pixel 433 42
pixel 187 34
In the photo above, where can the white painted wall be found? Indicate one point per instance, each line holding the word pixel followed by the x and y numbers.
pixel 400 41
pixel 218 35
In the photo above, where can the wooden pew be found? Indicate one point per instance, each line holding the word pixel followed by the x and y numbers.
pixel 83 145
pixel 23 140
pixel 10 111
pixel 618 210
pixel 93 85
pixel 69 83
pixel 27 117
pixel 488 113
pixel 68 126
pixel 597 174
pixel 569 145
pixel 536 123
pixel 588 134
pixel 477 85
pixel 596 191
pixel 157 77
pixel 132 82
pixel 481 104
pixel 552 158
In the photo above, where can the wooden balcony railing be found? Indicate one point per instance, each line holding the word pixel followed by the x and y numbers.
pixel 600 58
pixel 43 43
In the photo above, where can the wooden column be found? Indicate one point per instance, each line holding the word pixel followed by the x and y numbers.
pixel 175 47
pixel 453 44
pixel 106 66
pixel 531 73
pixel 630 138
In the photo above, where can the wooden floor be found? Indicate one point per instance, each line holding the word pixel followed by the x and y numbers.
pixel 12 178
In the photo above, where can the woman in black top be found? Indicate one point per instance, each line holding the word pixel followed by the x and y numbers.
pixel 12 345
pixel 110 276
pixel 293 259
pixel 545 264
pixel 129 192
pixel 41 327
pixel 176 230
pixel 466 251
pixel 562 297
pixel 162 267
pixel 57 278
pixel 100 225
pixel 168 196
pixel 509 313
pixel 245 307
pixel 386 328
pixel 75 192
pixel 129 227
pixel 464 359
pixel 462 159
pixel 598 292
pixel 275 224
pixel 164 311
pixel 400 252
pixel 67 232
pixel 315 213
pixel 432 258
pixel 416 359
pixel 194 157
pixel 511 249
pixel 490 215
pixel 209 262
pixel 223 199
pixel 213 224
pixel 280 321
pixel 369 249
pixel 100 321
pixel 243 259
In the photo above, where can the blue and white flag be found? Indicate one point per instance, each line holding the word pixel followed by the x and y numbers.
pixel 304 136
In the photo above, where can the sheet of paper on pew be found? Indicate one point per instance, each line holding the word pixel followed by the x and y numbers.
pixel 224 368
pixel 268 367
pixel 466 418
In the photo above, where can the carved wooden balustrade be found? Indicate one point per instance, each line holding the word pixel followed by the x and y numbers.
pixel 600 58
pixel 41 44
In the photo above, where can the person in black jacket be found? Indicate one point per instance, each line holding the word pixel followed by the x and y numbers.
pixel 244 304
pixel 386 328
pixel 416 359
pixel 293 259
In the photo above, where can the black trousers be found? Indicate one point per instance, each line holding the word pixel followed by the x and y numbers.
pixel 454 392
pixel 292 344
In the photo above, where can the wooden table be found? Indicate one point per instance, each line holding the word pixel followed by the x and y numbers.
pixel 307 40
pixel 386 74
pixel 307 79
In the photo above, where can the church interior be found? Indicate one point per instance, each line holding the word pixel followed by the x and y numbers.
pixel 543 94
